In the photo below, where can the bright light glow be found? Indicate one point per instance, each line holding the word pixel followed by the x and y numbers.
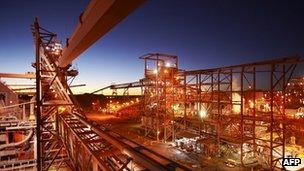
pixel 155 71
pixel 236 98
pixel 61 109
pixel 300 113
pixel 251 104
pixel 203 113
pixel 32 117
pixel 175 107
pixel 168 64
pixel 266 107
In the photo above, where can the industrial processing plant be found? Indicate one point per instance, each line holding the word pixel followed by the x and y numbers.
pixel 239 116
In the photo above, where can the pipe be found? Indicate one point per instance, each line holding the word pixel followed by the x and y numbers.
pixel 18 143
pixel 17 105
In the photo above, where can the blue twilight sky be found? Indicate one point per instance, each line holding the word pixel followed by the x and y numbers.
pixel 203 33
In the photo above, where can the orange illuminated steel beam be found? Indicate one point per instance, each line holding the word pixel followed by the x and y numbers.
pixel 98 19
pixel 28 75
pixel 120 86
pixel 34 88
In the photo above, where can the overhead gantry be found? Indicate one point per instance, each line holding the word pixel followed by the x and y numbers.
pixel 123 86
pixel 98 19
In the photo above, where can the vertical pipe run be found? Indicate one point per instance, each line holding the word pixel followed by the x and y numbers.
pixel 200 101
pixel 284 114
pixel 212 90
pixel 242 114
pixel 218 107
pixel 254 111
pixel 185 98
pixel 38 92
pixel 271 114
pixel 231 88
pixel 57 124
pixel 164 87
pixel 23 113
pixel 173 100
pixel 157 93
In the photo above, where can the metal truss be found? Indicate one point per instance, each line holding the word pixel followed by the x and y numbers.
pixel 124 86
pixel 66 138
pixel 52 95
pixel 92 147
pixel 158 91
pixel 235 109
pixel 222 106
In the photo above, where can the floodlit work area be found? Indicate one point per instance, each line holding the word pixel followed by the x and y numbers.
pixel 247 116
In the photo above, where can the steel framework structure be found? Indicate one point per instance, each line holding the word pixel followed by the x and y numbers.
pixel 51 92
pixel 124 86
pixel 92 147
pixel 231 109
pixel 222 106
pixel 158 91
pixel 66 138
pixel 229 97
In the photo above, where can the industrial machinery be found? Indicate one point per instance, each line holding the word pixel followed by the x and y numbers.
pixel 243 113
pixel 240 113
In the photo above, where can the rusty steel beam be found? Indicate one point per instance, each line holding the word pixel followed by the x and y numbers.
pixel 98 19
pixel 127 85
pixel 28 75
pixel 287 60
pixel 33 88
pixel 99 90
pixel 136 84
